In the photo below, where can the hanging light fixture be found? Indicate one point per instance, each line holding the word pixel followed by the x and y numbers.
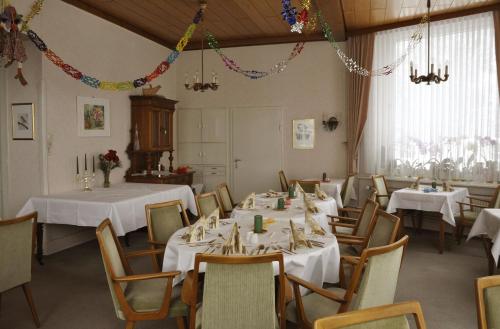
pixel 430 77
pixel 198 85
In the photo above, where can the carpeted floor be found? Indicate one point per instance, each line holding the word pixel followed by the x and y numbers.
pixel 71 292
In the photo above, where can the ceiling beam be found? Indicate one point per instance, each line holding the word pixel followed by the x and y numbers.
pixel 435 17
pixel 120 22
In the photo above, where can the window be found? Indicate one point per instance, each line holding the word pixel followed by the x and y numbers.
pixel 449 130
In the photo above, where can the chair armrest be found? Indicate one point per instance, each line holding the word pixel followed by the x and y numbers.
pixel 342 225
pixel 353 260
pixel 147 252
pixel 471 205
pixel 342 218
pixel 348 236
pixel 350 241
pixel 323 292
pixel 157 243
pixel 187 294
pixel 349 209
pixel 478 198
pixel 139 277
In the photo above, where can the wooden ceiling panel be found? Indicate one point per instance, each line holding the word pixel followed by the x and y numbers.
pixel 255 22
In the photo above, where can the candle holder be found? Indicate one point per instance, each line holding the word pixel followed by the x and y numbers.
pixel 86 180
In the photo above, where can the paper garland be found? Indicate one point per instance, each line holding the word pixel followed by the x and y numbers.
pixel 36 7
pixel 121 85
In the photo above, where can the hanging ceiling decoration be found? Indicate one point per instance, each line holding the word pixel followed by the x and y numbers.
pixel 430 77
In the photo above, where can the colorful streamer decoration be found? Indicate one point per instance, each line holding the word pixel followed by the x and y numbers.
pixel 112 85
pixel 253 74
pixel 36 7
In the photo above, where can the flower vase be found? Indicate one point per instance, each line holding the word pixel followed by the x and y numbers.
pixel 106 178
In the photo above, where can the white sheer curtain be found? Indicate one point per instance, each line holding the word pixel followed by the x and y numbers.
pixel 448 131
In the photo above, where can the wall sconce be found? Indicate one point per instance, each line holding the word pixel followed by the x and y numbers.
pixel 330 124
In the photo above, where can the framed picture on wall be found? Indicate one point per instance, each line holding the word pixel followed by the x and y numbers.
pixel 303 134
pixel 23 121
pixel 93 117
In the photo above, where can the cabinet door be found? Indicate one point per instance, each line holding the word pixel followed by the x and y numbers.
pixel 189 126
pixel 214 153
pixel 165 133
pixel 190 153
pixel 214 125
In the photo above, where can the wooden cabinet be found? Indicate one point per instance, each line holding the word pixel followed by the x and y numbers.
pixel 152 126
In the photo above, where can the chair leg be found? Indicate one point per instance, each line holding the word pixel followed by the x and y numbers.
pixel 181 324
pixel 130 325
pixel 29 298
pixel 487 248
pixel 441 236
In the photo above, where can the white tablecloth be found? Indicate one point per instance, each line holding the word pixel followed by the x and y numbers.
pixel 442 202
pixel 317 265
pixel 333 189
pixel 296 211
pixel 122 203
pixel 488 222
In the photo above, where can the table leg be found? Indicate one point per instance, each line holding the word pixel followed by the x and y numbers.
pixel 487 244
pixel 39 243
pixel 401 215
pixel 441 235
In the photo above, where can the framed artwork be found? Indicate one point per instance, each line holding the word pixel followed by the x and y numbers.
pixel 23 121
pixel 303 134
pixel 93 117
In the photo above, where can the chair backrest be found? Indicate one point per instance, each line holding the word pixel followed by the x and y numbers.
pixel 365 219
pixel 239 292
pixel 488 302
pixel 495 201
pixel 164 219
pixel 347 190
pixel 384 229
pixel 225 197
pixel 114 261
pixel 17 239
pixel 392 316
pixel 206 203
pixel 380 186
pixel 309 186
pixel 379 277
pixel 283 181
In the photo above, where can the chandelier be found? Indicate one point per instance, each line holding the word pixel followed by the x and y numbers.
pixel 430 77
pixel 197 84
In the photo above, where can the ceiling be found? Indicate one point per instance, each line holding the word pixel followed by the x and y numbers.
pixel 255 22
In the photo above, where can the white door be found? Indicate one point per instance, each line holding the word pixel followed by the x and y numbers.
pixel 189 123
pixel 257 150
pixel 214 125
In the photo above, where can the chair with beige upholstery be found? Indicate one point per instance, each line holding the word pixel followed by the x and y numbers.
pixel 488 302
pixel 309 186
pixel 382 193
pixel 283 181
pixel 226 199
pixel 138 297
pixel 17 242
pixel 206 203
pixel 373 284
pixel 238 292
pixel 342 225
pixel 392 316
pixel 347 190
pixel 163 220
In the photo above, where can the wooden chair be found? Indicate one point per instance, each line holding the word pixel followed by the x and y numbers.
pixel 17 243
pixel 137 297
pixel 206 203
pixel 373 283
pixel 283 181
pixel 238 292
pixel 226 199
pixel 469 211
pixel 347 190
pixel 392 316
pixel 308 185
pixel 380 185
pixel 163 220
pixel 342 225
pixel 488 302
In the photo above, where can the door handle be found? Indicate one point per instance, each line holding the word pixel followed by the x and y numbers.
pixel 236 162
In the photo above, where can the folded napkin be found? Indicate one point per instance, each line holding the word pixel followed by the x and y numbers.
pixel 272 194
pixel 233 244
pixel 195 232
pixel 310 205
pixel 249 202
pixel 298 238
pixel 298 189
pixel 213 219
pixel 315 227
pixel 319 193
pixel 416 184
pixel 447 187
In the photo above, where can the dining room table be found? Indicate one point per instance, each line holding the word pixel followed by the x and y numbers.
pixel 488 223
pixel 266 205
pixel 333 188
pixel 318 264
pixel 427 199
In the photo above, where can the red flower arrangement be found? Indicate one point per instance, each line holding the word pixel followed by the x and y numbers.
pixel 109 160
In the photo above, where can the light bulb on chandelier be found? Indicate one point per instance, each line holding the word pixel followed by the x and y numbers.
pixel 431 76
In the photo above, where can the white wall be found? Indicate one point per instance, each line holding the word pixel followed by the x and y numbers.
pixel 312 84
